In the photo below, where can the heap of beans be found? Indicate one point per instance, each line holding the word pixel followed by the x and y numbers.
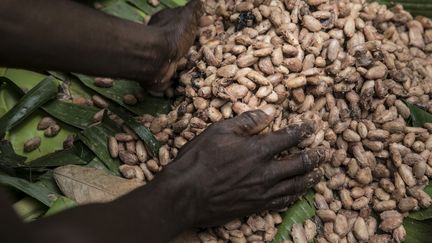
pixel 349 66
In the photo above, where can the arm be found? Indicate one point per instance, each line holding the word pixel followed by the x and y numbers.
pixel 226 172
pixel 67 36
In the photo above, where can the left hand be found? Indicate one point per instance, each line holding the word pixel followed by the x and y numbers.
pixel 178 28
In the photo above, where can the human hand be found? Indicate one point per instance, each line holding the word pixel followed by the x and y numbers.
pixel 230 170
pixel 178 28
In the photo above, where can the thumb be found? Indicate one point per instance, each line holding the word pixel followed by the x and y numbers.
pixel 251 122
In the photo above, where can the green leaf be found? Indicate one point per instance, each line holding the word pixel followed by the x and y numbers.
pixel 418 116
pixel 28 129
pixel 76 88
pixel 150 105
pixel 63 111
pixel 146 136
pixel 96 138
pixel 174 3
pixel 422 214
pixel 417 231
pixel 426 213
pixel 2 71
pixel 29 209
pixel 60 158
pixel 123 10
pixel 415 7
pixel 36 190
pixel 75 115
pixel 144 6
pixel 299 212
pixel 79 154
pixel 24 79
pixel 8 158
pixel 39 95
pixel 59 205
pixel 9 95
pixel 98 164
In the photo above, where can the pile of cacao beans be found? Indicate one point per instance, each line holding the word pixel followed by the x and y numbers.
pixel 348 65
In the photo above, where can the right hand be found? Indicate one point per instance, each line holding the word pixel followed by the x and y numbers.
pixel 230 170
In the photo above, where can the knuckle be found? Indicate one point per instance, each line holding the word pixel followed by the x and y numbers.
pixel 260 148
pixel 298 184
pixel 268 176
pixel 287 200
pixel 248 120
pixel 282 202
pixel 217 127
pixel 307 160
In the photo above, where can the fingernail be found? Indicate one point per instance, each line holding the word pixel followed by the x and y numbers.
pixel 317 155
pixel 313 178
pixel 311 158
pixel 269 110
pixel 308 128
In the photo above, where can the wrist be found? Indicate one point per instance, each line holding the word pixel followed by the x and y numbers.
pixel 163 203
pixel 145 51
pixel 178 194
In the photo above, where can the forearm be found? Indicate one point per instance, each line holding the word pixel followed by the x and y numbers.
pixel 153 213
pixel 67 36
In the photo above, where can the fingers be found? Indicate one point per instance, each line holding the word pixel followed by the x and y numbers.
pixel 283 139
pixel 163 83
pixel 248 123
pixel 294 165
pixel 295 185
pixel 163 17
pixel 282 202
pixel 196 7
pixel 283 192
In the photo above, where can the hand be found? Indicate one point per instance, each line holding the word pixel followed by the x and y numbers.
pixel 229 171
pixel 178 27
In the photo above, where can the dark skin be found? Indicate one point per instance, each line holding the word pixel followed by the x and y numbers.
pixel 227 172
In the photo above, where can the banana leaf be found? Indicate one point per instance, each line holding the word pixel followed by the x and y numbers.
pixel 418 231
pixel 173 3
pixel 59 205
pixel 144 6
pixel 146 136
pixel 418 225
pixel 47 180
pixel 418 116
pixel 61 110
pixel 150 105
pixel 98 164
pixel 415 7
pixel 8 158
pixel 78 154
pixel 96 137
pixel 27 130
pixel 38 191
pixel 123 10
pixel 36 97
pixel 76 88
pixel 59 158
pixel 29 209
pixel 75 115
pixel 426 213
pixel 299 212
pixel 24 79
